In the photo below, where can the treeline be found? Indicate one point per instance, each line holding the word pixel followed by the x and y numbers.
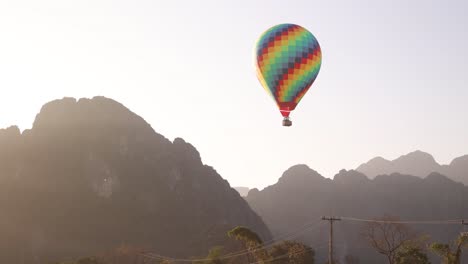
pixel 399 244
pixel 395 241
pixel 250 249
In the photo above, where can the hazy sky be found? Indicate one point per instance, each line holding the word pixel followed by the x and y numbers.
pixel 393 76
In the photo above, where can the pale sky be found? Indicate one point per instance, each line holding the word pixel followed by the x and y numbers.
pixel 393 76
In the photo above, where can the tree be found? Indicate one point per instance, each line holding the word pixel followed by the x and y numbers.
pixel 451 255
pixel 252 243
pixel 386 236
pixel 291 252
pixel 213 257
pixel 411 254
pixel 244 234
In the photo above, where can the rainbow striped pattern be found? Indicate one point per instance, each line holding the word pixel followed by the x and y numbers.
pixel 288 62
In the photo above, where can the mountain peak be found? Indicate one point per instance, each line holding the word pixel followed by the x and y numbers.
pixel 459 160
pixel 350 177
pixel 12 131
pixel 300 173
pixel 285 207
pixel 438 178
pixel 417 163
pixel 378 159
pixel 128 177
pixel 69 111
pixel 417 155
pixel 458 169
pixel 375 166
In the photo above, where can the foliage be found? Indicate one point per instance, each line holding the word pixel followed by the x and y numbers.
pixel 245 234
pixel 451 255
pixel 252 243
pixel 291 252
pixel 409 254
pixel 213 257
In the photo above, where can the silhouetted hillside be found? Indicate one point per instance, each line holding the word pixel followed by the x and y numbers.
pixel 91 175
pixel 302 196
pixel 419 164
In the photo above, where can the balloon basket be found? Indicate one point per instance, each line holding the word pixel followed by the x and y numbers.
pixel 287 122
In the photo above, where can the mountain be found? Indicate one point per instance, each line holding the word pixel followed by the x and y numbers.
pixel 302 196
pixel 419 164
pixel 243 191
pixel 91 175
pixel 457 169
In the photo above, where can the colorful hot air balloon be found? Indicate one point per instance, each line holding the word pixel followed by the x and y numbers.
pixel 288 59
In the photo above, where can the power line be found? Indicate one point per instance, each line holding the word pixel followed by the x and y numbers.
pixel 306 228
pixel 292 234
pixel 284 256
pixel 428 222
pixel 310 227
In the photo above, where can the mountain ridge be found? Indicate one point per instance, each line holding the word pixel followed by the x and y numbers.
pixel 353 194
pixel 91 175
pixel 417 163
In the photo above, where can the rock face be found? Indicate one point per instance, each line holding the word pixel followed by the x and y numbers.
pixel 91 175
pixel 302 196
pixel 419 164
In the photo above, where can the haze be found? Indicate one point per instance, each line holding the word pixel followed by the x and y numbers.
pixel 392 81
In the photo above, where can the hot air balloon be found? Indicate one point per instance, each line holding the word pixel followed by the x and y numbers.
pixel 288 59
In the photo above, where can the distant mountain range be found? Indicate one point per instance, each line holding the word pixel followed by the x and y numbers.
pixel 301 196
pixel 91 176
pixel 419 164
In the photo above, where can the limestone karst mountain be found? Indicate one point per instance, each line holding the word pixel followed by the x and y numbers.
pixel 419 164
pixel 91 175
pixel 302 196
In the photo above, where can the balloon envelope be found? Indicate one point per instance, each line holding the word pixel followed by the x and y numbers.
pixel 288 59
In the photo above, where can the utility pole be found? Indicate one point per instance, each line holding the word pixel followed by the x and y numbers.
pixel 331 219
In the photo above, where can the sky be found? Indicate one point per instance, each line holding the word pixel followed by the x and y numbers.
pixel 393 77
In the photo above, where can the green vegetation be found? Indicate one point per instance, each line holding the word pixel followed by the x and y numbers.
pixel 251 242
pixel 388 237
pixel 285 252
pixel 213 257
pixel 291 252
pixel 451 254
pixel 410 254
